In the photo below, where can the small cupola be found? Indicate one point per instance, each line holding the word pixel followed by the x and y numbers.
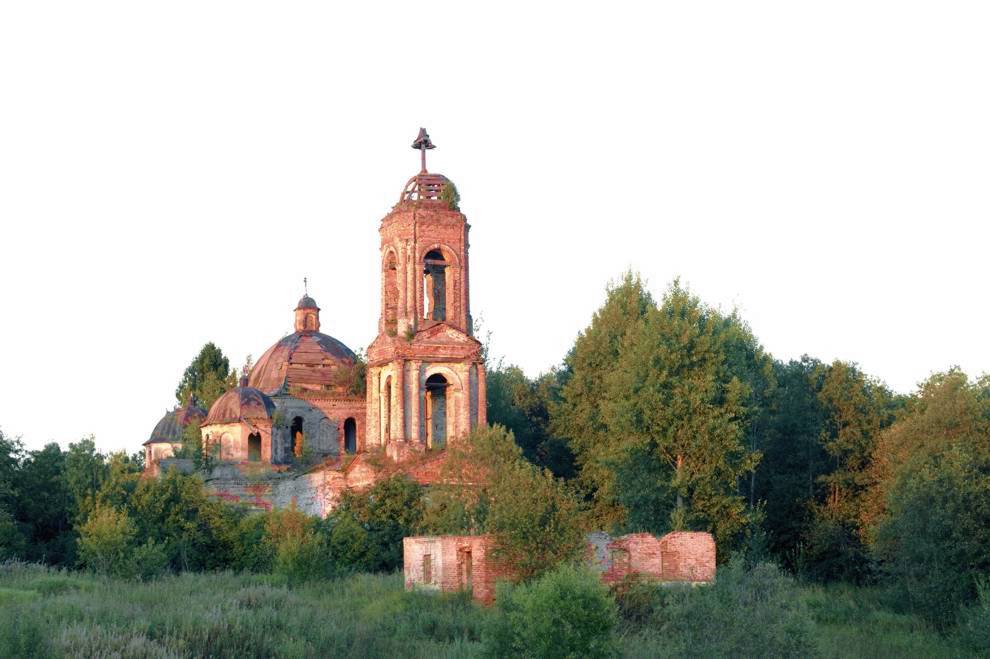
pixel 307 315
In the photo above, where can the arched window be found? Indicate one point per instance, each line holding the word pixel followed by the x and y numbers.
pixel 435 286
pixel 390 277
pixel 436 411
pixel 298 437
pixel 350 436
pixel 254 447
pixel 387 411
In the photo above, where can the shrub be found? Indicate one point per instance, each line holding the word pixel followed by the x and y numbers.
pixel 935 537
pixel 974 623
pixel 148 561
pixel 747 613
pixel 302 557
pixel 565 613
pixel 105 541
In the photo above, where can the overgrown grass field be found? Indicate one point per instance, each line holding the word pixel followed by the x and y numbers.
pixel 45 612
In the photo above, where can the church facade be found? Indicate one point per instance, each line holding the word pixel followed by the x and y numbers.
pixel 310 420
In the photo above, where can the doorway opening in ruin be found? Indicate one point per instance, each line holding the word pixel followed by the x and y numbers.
pixel 390 275
pixel 436 411
pixel 387 411
pixel 254 447
pixel 435 286
pixel 298 438
pixel 350 436
pixel 464 567
pixel 428 568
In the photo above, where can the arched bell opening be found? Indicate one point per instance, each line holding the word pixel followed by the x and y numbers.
pixel 435 285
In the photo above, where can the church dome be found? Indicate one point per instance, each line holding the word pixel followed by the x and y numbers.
pixel 306 302
pixel 307 358
pixel 169 428
pixel 243 403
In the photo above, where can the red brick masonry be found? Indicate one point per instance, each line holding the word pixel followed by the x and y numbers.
pixel 454 563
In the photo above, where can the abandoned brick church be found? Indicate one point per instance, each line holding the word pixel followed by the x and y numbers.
pixel 300 428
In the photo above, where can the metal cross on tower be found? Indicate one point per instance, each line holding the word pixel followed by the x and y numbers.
pixel 423 143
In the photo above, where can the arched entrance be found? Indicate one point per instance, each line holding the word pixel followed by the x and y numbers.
pixel 436 411
pixel 254 447
pixel 350 436
pixel 298 438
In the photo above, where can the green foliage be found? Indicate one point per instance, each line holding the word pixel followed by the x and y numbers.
pixel 534 519
pixel 207 377
pixel 106 540
pixel 677 420
pixel 197 531
pixel 523 406
pixel 754 612
pixel 565 613
pixel 579 417
pixel 85 471
pixel 13 544
pixel 933 543
pixel 450 196
pixel 974 623
pixel 787 478
pixel 228 615
pixel 44 506
pixel 366 530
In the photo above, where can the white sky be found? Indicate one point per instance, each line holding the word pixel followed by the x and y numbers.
pixel 169 172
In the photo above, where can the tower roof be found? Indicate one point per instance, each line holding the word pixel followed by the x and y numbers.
pixel 425 186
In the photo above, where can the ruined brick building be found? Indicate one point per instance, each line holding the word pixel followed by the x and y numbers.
pixel 465 563
pixel 304 425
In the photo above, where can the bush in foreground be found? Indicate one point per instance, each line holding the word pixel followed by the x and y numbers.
pixel 754 612
pixel 565 613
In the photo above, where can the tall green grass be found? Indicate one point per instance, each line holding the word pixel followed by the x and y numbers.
pixel 52 613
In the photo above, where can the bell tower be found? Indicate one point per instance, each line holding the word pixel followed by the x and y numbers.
pixel 426 377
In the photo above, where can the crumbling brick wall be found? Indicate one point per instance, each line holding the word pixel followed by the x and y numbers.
pixel 438 562
pixel 450 564
pixel 687 556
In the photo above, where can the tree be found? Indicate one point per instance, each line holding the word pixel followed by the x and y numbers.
pixel 486 486
pixel 85 471
pixel 198 532
pixel 207 377
pixel 855 409
pixel 523 406
pixel 677 422
pixel 793 458
pixel 366 529
pixel 579 417
pixel 44 506
pixel 927 512
pixel 933 541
